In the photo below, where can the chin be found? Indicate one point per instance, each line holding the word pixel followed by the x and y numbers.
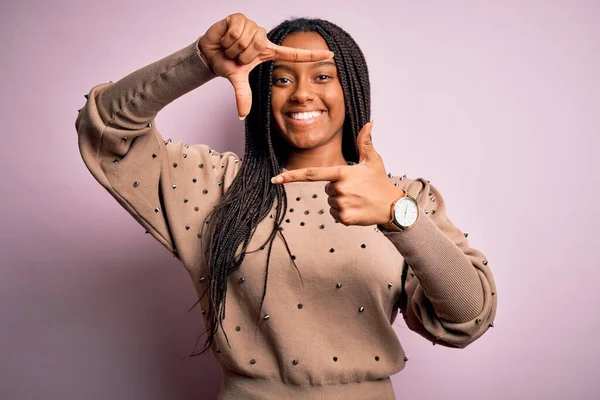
pixel 304 140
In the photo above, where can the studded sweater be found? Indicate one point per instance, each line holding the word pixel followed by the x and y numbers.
pixel 326 328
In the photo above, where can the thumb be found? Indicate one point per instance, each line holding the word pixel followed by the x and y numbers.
pixel 366 151
pixel 243 94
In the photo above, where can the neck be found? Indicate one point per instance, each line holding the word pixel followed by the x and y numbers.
pixel 307 162
pixel 312 151
pixel 323 156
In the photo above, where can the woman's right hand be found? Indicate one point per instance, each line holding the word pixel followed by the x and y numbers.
pixel 235 45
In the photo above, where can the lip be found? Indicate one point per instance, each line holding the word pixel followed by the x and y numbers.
pixel 302 122
pixel 300 110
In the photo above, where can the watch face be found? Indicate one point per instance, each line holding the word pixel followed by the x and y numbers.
pixel 406 212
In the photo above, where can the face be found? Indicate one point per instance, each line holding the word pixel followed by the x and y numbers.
pixel 307 100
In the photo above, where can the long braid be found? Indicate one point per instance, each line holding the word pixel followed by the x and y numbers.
pixel 251 196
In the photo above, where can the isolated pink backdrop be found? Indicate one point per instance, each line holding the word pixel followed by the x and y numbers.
pixel 495 102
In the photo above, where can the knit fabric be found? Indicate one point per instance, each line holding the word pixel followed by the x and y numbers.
pixel 325 330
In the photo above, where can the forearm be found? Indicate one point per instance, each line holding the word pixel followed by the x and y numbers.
pixel 136 99
pixel 445 272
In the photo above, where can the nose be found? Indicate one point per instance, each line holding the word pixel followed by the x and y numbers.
pixel 303 92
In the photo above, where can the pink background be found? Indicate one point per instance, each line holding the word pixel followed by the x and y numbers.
pixel 497 103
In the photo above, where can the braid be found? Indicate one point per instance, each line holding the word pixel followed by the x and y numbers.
pixel 251 196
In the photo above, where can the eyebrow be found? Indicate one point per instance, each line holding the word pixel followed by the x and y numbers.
pixel 315 65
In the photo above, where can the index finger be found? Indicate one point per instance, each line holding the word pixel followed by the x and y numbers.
pixel 311 174
pixel 285 53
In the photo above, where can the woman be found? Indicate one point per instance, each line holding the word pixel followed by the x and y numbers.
pixel 335 280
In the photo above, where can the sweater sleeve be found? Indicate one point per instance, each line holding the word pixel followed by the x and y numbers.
pixel 168 187
pixel 448 293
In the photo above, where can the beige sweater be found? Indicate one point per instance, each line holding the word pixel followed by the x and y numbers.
pixel 329 336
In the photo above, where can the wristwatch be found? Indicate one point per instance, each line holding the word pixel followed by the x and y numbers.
pixel 404 213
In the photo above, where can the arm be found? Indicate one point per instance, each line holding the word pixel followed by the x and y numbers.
pixel 158 182
pixel 135 100
pixel 449 293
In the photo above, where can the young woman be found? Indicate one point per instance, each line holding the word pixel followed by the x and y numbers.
pixel 303 252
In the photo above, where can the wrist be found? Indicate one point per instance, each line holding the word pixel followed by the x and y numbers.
pixel 203 56
pixel 387 212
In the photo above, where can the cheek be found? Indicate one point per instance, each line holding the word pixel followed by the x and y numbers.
pixel 334 99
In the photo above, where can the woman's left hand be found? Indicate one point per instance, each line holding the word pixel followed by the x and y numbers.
pixel 359 194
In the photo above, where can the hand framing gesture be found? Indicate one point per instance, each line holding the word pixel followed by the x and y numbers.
pixel 359 194
pixel 235 45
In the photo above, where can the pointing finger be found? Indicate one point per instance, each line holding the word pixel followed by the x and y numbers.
pixel 310 174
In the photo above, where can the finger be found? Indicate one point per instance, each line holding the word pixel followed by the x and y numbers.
pixel 335 214
pixel 243 94
pixel 215 35
pixel 330 190
pixel 332 201
pixel 284 53
pixel 256 47
pixel 242 43
pixel 310 174
pixel 235 28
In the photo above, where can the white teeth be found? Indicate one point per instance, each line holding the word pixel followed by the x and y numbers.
pixel 306 115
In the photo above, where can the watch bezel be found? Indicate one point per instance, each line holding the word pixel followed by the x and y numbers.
pixel 392 225
pixel 406 197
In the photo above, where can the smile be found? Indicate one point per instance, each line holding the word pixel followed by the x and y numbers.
pixel 304 118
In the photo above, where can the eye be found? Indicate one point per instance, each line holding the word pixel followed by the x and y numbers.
pixel 323 77
pixel 281 80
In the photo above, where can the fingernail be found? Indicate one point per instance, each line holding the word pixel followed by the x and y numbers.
pixel 241 118
pixel 277 179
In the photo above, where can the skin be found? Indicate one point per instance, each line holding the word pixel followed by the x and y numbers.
pixel 299 86
pixel 359 194
pixel 235 45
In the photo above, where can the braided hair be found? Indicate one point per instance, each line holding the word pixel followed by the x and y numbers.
pixel 251 195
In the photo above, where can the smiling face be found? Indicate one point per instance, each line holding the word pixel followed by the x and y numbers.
pixel 307 102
